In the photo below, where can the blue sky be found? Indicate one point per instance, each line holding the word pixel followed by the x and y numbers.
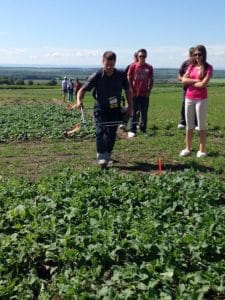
pixel 77 32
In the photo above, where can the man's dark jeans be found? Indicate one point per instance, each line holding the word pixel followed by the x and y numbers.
pixel 105 129
pixel 140 104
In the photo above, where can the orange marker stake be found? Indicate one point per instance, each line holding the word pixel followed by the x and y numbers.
pixel 160 165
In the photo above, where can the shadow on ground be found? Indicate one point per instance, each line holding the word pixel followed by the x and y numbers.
pixel 170 167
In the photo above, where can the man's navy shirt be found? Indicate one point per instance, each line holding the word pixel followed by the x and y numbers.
pixel 106 87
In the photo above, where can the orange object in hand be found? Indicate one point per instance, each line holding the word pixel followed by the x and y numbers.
pixel 73 130
pixel 71 106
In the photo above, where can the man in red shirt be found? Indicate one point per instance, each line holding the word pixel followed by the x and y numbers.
pixel 141 79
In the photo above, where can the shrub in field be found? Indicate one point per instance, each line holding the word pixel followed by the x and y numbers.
pixel 19 82
pixel 52 82
pixel 101 235
pixel 4 80
pixel 30 82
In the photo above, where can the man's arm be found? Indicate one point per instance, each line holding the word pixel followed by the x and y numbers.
pixel 150 82
pixel 182 70
pixel 150 85
pixel 80 97
pixel 179 77
pixel 87 86
pixel 129 98
pixel 130 76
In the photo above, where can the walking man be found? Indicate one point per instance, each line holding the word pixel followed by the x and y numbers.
pixel 107 85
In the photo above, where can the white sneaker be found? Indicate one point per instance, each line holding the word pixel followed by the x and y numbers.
pixel 184 153
pixel 181 126
pixel 110 162
pixel 196 128
pixel 101 159
pixel 108 158
pixel 102 162
pixel 201 154
pixel 122 126
pixel 130 134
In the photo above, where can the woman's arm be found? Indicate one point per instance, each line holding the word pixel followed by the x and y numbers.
pixel 188 81
pixel 203 83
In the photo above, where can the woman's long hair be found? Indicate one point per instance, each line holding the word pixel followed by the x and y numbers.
pixel 204 65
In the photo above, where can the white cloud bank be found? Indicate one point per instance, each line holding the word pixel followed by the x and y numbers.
pixel 159 57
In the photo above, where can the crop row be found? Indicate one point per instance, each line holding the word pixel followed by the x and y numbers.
pixel 38 121
pixel 102 235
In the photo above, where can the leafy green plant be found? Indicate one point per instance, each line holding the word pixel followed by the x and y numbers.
pixel 38 121
pixel 102 235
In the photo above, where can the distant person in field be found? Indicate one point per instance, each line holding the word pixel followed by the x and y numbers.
pixel 196 79
pixel 182 71
pixel 70 89
pixel 64 88
pixel 107 85
pixel 141 79
pixel 78 85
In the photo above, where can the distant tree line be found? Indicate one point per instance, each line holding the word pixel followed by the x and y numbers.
pixel 50 74
pixel 54 75
pixel 11 80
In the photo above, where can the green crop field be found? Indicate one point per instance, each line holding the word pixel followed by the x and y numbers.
pixel 33 122
pixel 70 230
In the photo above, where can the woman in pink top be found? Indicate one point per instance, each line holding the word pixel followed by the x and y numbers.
pixel 196 78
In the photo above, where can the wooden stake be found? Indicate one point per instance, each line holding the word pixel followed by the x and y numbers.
pixel 160 166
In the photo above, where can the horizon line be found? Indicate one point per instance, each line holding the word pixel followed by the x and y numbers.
pixel 78 66
pixel 67 66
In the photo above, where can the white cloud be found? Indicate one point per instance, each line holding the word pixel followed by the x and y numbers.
pixel 159 57
pixel 68 56
pixel 12 51
pixel 174 56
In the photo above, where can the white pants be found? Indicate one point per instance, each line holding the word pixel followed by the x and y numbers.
pixel 200 108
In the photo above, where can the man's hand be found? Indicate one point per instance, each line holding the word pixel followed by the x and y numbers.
pixel 79 103
pixel 71 106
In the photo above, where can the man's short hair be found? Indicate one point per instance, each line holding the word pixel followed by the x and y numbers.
pixel 109 55
pixel 142 51
pixel 191 51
